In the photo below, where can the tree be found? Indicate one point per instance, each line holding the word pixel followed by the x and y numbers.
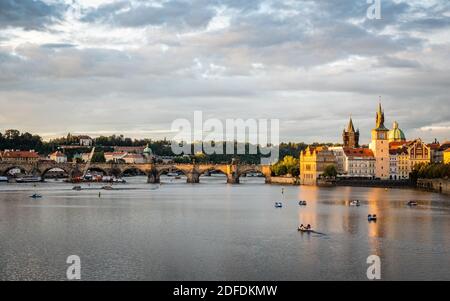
pixel 289 165
pixel 98 157
pixel 330 171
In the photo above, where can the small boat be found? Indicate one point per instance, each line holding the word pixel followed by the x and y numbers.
pixel 119 180
pixel 28 179
pixel 278 205
pixel 107 187
pixel 35 196
pixel 76 188
pixel 304 230
pixel 412 203
pixel 3 179
pixel 302 203
pixel 372 218
pixel 355 203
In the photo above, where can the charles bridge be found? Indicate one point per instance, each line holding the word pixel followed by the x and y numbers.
pixel 152 170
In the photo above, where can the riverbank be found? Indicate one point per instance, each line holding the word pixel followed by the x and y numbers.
pixel 435 185
pixel 285 180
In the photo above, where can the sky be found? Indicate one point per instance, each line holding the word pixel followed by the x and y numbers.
pixel 106 67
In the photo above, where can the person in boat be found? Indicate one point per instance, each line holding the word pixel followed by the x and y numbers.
pixel 302 227
pixel 308 227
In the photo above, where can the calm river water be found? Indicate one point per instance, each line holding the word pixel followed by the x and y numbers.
pixel 215 231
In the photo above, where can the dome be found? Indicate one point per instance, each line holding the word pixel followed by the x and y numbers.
pixel 396 134
pixel 148 150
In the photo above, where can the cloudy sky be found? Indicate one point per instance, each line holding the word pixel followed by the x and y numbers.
pixel 132 67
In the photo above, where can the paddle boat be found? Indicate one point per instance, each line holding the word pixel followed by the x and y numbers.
pixel 278 205
pixel 35 196
pixel 304 229
pixel 372 218
pixel 412 203
pixel 355 203
pixel 302 203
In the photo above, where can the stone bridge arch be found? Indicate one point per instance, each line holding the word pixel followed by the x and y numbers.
pixel 125 168
pixel 44 170
pixel 263 169
pixel 25 168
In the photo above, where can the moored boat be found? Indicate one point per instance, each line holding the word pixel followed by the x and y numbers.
pixel 28 179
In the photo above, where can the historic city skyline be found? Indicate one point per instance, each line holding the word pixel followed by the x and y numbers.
pixel 103 67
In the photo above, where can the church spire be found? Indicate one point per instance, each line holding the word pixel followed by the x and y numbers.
pixel 350 127
pixel 380 117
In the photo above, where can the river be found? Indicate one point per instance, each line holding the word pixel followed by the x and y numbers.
pixel 215 231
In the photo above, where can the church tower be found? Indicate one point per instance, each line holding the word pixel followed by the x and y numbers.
pixel 350 136
pixel 380 146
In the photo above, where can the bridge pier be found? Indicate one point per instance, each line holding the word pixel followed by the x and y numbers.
pixel 153 177
pixel 232 179
pixel 193 177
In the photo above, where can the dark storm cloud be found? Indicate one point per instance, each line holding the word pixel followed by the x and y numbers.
pixel 29 14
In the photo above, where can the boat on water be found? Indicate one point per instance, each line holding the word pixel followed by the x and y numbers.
pixel 28 179
pixel 302 203
pixel 3 179
pixel 412 203
pixel 172 174
pixel 76 188
pixel 278 205
pixel 107 187
pixel 355 203
pixel 372 218
pixel 35 196
pixel 304 230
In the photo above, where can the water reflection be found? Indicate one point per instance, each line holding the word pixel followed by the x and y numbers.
pixel 215 231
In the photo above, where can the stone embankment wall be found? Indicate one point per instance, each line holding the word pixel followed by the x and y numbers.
pixel 285 180
pixel 437 185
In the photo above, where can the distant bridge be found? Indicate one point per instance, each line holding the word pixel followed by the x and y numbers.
pixel 153 171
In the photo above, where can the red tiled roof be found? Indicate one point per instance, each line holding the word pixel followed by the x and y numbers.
pixel 397 144
pixel 134 156
pixel 20 154
pixel 434 146
pixel 115 153
pixel 358 152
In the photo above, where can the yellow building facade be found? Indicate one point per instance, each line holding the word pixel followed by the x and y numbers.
pixel 446 156
pixel 313 162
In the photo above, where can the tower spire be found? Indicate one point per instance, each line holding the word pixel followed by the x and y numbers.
pixel 380 116
pixel 350 127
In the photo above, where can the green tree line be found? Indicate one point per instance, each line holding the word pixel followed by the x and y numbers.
pixel 13 139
